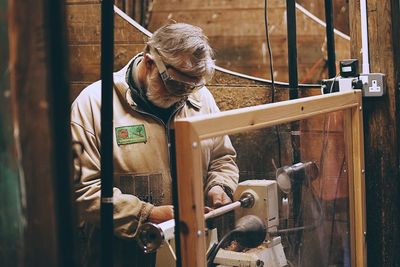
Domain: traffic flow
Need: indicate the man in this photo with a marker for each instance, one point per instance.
(161, 84)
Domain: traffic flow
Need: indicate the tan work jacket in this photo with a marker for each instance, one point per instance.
(141, 155)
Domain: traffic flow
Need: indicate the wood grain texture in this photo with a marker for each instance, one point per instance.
(340, 12)
(84, 26)
(190, 194)
(381, 135)
(85, 63)
(238, 22)
(29, 77)
(12, 220)
(282, 112)
(241, 48)
(236, 31)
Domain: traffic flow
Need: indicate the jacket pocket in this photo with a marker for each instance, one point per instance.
(148, 187)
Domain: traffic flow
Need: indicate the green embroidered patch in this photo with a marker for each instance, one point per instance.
(131, 134)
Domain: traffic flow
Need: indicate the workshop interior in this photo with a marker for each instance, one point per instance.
(309, 96)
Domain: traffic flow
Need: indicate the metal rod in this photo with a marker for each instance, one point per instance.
(222, 210)
(59, 108)
(143, 12)
(151, 236)
(292, 48)
(330, 38)
(175, 199)
(107, 168)
(293, 94)
(364, 36)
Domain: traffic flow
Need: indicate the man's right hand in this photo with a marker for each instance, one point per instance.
(161, 214)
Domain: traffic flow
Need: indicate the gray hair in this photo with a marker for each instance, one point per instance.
(184, 47)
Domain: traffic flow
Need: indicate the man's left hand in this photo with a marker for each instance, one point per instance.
(217, 197)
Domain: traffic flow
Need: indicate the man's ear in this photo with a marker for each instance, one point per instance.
(148, 61)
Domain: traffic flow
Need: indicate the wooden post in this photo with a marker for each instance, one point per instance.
(11, 203)
(353, 134)
(381, 125)
(190, 196)
(39, 95)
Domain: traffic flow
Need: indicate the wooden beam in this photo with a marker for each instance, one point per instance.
(381, 124)
(353, 134)
(39, 95)
(11, 204)
(190, 196)
(251, 118)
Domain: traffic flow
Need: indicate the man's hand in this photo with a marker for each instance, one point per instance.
(161, 214)
(217, 197)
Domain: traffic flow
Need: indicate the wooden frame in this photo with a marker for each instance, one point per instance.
(190, 131)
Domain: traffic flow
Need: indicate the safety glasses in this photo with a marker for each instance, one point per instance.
(173, 86)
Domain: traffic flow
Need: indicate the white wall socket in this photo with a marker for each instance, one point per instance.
(374, 84)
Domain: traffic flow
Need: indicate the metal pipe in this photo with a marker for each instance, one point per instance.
(107, 168)
(364, 36)
(59, 108)
(151, 236)
(175, 200)
(292, 48)
(222, 210)
(330, 39)
(293, 94)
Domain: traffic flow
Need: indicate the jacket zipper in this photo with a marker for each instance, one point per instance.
(166, 127)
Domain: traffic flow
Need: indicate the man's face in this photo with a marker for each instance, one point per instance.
(157, 93)
(165, 93)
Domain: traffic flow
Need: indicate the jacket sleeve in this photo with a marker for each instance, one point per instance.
(129, 211)
(222, 168)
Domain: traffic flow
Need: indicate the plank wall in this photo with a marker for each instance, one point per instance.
(83, 20)
(236, 31)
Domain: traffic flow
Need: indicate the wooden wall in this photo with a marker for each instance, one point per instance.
(340, 12)
(236, 30)
(381, 130)
(83, 21)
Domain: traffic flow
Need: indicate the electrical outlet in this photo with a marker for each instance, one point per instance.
(374, 84)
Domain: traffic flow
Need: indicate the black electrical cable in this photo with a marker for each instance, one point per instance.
(214, 251)
(250, 232)
(269, 50)
(271, 68)
(175, 200)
